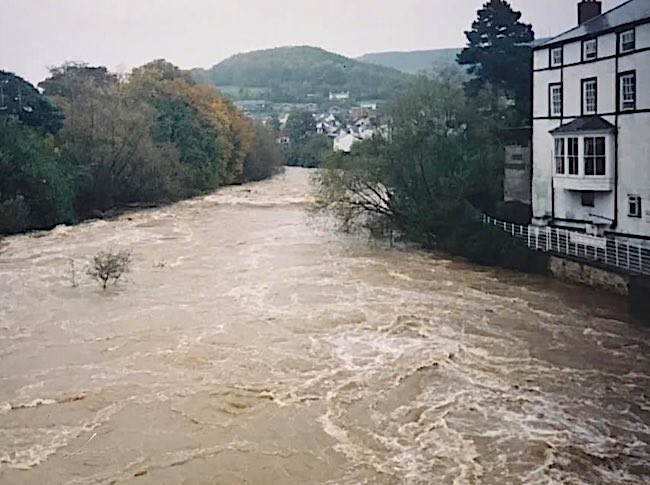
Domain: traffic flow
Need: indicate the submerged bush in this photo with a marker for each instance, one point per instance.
(107, 266)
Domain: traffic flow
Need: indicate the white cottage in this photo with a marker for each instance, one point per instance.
(344, 142)
(591, 123)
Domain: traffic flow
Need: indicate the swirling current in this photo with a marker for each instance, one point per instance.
(251, 344)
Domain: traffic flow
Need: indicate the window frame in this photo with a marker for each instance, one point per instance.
(620, 43)
(638, 202)
(559, 155)
(551, 113)
(572, 159)
(585, 43)
(594, 157)
(621, 100)
(551, 61)
(583, 84)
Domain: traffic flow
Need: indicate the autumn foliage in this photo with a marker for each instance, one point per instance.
(151, 136)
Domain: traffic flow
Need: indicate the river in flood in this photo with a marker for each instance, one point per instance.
(251, 344)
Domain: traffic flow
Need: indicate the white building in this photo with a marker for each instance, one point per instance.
(591, 123)
(371, 105)
(344, 142)
(343, 95)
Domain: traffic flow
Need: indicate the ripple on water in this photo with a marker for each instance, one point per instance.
(268, 349)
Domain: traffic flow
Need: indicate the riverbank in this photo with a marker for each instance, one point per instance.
(131, 208)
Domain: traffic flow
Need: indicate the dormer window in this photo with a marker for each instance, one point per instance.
(627, 41)
(590, 50)
(556, 57)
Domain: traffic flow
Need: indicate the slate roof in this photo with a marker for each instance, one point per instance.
(627, 13)
(584, 124)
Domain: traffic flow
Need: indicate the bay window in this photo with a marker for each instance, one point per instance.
(582, 156)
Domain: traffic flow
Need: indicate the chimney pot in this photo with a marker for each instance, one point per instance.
(588, 9)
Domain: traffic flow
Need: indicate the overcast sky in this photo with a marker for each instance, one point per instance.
(121, 34)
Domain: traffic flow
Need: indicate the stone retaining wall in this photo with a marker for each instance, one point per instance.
(635, 288)
(587, 274)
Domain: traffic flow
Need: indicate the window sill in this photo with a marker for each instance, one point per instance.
(596, 183)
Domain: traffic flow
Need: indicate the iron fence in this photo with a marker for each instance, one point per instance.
(610, 251)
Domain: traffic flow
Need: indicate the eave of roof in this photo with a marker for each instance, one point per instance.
(632, 12)
(584, 124)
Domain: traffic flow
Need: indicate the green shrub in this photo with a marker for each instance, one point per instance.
(36, 188)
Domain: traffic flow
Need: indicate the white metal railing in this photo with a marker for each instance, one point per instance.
(609, 251)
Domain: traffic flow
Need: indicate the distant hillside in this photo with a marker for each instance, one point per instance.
(414, 62)
(298, 74)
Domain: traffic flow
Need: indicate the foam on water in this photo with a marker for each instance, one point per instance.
(268, 349)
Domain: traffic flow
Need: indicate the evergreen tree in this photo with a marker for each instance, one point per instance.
(21, 101)
(499, 53)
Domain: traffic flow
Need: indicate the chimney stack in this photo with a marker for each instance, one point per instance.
(588, 9)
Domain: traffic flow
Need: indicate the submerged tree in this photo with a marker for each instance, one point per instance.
(108, 265)
(441, 161)
(499, 53)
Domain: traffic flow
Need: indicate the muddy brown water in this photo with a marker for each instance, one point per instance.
(251, 344)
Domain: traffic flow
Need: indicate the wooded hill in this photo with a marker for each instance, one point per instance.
(299, 74)
(414, 62)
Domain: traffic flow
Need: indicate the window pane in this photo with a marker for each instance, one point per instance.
(627, 41)
(600, 165)
(589, 95)
(628, 91)
(559, 155)
(590, 48)
(589, 146)
(556, 100)
(556, 56)
(634, 206)
(600, 146)
(572, 150)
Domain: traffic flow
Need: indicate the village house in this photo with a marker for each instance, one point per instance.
(340, 96)
(370, 105)
(591, 124)
(344, 142)
(282, 138)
